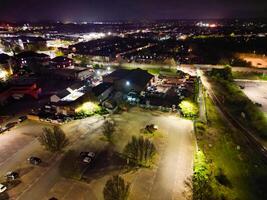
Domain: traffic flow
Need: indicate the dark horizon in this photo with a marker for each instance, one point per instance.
(132, 21)
(119, 10)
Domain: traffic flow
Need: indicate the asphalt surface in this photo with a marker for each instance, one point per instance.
(256, 91)
(176, 164)
(175, 149)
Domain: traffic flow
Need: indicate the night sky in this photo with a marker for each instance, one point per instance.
(97, 10)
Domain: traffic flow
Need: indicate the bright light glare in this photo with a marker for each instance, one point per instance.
(127, 83)
(88, 108)
(3, 74)
(93, 36)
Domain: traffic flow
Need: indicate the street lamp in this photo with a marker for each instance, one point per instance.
(127, 83)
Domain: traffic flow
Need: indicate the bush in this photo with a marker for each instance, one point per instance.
(188, 108)
(224, 74)
(116, 189)
(202, 189)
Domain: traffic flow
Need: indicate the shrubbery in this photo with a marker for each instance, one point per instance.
(237, 103)
(189, 108)
(202, 189)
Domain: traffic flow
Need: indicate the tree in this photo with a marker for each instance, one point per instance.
(116, 189)
(53, 139)
(224, 74)
(140, 151)
(108, 130)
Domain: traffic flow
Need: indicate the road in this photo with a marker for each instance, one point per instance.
(176, 164)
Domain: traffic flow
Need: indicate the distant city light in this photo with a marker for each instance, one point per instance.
(92, 36)
(201, 24)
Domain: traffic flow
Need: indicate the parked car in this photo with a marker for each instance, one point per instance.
(11, 124)
(258, 104)
(53, 198)
(87, 160)
(87, 154)
(3, 188)
(151, 128)
(34, 160)
(12, 175)
(22, 118)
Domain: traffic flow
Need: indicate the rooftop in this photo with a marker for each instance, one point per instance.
(99, 89)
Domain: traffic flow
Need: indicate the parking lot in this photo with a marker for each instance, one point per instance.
(257, 92)
(165, 180)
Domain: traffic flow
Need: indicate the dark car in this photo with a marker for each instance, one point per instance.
(22, 118)
(258, 104)
(151, 128)
(34, 160)
(12, 175)
(11, 124)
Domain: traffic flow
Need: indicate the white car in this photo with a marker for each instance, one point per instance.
(87, 160)
(3, 188)
(87, 154)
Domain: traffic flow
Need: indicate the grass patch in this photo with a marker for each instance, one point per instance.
(237, 172)
(238, 104)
